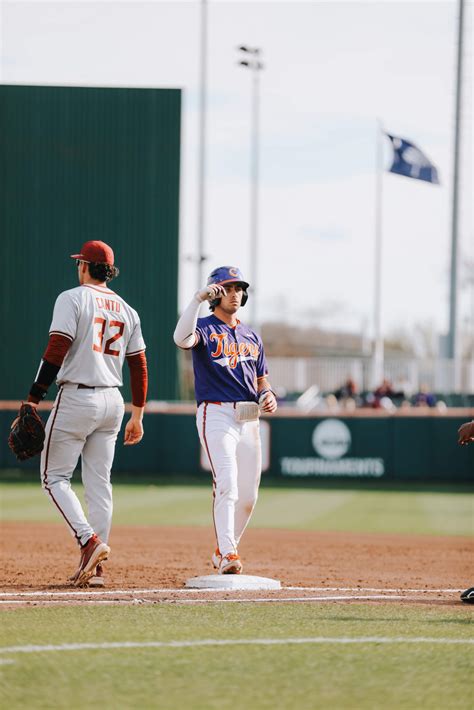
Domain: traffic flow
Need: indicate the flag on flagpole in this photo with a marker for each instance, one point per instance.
(410, 161)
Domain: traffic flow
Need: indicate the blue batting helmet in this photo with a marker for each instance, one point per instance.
(226, 275)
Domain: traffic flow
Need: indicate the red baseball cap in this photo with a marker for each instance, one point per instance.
(97, 252)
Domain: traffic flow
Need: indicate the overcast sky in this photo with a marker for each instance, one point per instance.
(331, 69)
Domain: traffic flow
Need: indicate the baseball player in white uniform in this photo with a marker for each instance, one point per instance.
(231, 384)
(93, 331)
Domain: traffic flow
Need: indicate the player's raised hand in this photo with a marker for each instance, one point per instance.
(209, 293)
(133, 431)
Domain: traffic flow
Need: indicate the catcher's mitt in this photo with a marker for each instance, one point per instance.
(27, 433)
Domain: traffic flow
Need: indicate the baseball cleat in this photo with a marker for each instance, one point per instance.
(468, 596)
(216, 558)
(97, 579)
(93, 552)
(230, 564)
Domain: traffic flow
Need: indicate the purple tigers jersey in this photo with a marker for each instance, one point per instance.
(227, 362)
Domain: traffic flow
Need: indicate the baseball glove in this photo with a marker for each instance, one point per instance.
(27, 433)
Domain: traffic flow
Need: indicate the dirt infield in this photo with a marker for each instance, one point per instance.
(40, 557)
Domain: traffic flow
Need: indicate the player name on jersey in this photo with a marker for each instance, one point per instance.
(108, 304)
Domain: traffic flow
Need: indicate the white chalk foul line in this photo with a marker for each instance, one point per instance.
(163, 590)
(253, 600)
(280, 600)
(96, 602)
(233, 642)
(373, 589)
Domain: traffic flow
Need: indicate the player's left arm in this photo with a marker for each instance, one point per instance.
(137, 365)
(266, 396)
(134, 427)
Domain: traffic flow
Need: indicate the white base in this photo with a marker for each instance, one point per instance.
(232, 581)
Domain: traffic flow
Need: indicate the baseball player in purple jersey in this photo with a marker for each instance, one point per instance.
(232, 388)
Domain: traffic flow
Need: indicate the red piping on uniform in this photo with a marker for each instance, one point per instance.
(104, 289)
(59, 332)
(46, 470)
(204, 415)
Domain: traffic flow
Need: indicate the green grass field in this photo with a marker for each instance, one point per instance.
(310, 509)
(326, 674)
(343, 667)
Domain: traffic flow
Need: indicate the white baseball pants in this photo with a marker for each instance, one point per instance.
(234, 451)
(83, 422)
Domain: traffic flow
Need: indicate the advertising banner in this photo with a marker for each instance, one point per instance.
(330, 447)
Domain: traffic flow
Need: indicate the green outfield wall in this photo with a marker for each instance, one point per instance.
(302, 449)
(82, 163)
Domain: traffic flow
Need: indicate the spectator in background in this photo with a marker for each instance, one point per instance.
(383, 396)
(347, 395)
(424, 398)
(348, 389)
(385, 389)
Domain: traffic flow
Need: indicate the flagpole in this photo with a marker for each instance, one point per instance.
(453, 338)
(378, 346)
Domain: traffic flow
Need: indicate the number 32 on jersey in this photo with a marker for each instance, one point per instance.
(100, 326)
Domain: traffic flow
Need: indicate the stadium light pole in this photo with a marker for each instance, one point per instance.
(201, 258)
(253, 63)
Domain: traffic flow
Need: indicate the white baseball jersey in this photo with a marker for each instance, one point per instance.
(103, 329)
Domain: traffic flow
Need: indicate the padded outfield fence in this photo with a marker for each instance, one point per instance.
(414, 446)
